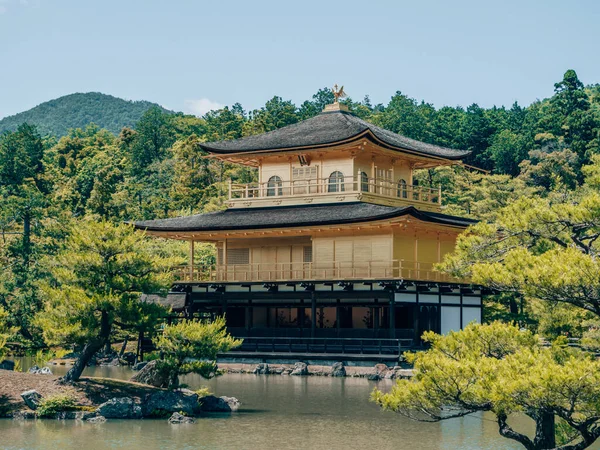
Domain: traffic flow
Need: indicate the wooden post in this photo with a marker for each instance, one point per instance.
(230, 188)
(313, 313)
(440, 194)
(392, 315)
(337, 316)
(192, 260)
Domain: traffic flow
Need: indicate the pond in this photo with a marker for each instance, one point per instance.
(278, 412)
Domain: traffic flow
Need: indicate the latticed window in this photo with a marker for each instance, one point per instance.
(274, 186)
(307, 254)
(238, 256)
(336, 182)
(302, 177)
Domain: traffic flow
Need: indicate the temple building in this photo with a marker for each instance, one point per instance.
(334, 247)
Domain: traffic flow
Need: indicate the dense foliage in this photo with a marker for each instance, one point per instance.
(192, 347)
(56, 117)
(155, 168)
(502, 369)
(94, 287)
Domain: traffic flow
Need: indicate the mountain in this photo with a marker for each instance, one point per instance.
(57, 116)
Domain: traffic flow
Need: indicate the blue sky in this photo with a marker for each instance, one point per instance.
(191, 55)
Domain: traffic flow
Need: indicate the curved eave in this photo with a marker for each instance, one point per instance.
(356, 137)
(436, 218)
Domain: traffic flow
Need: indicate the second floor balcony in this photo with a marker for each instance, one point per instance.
(334, 188)
(315, 271)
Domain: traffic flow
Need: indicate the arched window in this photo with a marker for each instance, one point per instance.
(336, 182)
(274, 186)
(364, 182)
(402, 191)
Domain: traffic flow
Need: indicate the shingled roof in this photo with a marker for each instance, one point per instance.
(295, 216)
(326, 129)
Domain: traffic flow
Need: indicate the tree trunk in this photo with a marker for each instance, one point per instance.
(89, 350)
(123, 347)
(544, 431)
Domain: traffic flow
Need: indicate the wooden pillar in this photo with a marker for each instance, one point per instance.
(248, 320)
(313, 313)
(337, 317)
(392, 315)
(191, 262)
(375, 319)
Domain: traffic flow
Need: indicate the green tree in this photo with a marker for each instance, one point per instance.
(5, 331)
(506, 371)
(155, 134)
(192, 347)
(96, 287)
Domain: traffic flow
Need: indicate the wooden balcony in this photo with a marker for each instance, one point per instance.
(280, 272)
(328, 190)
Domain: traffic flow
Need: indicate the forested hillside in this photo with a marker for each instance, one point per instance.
(56, 117)
(155, 168)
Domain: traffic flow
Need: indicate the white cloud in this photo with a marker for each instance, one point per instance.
(200, 106)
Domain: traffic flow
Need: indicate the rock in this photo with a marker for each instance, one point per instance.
(300, 368)
(97, 419)
(155, 373)
(7, 365)
(234, 403)
(75, 415)
(128, 358)
(161, 402)
(404, 373)
(115, 362)
(139, 366)
(338, 370)
(180, 418)
(210, 403)
(373, 377)
(40, 371)
(23, 415)
(120, 408)
(286, 372)
(32, 398)
(389, 375)
(262, 369)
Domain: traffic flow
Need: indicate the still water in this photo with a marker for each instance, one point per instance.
(278, 412)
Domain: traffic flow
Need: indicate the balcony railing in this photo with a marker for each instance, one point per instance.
(357, 270)
(339, 185)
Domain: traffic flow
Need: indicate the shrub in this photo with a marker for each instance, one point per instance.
(203, 392)
(56, 403)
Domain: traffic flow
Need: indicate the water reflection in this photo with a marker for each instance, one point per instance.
(278, 412)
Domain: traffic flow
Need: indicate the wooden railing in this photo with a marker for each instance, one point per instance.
(335, 270)
(328, 186)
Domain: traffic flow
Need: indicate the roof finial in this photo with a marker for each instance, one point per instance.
(338, 93)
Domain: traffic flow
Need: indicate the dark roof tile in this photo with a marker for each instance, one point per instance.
(294, 216)
(325, 129)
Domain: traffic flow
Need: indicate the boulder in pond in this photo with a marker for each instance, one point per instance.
(156, 373)
(97, 419)
(338, 370)
(177, 418)
(120, 408)
(300, 368)
(373, 377)
(262, 369)
(7, 365)
(160, 403)
(32, 398)
(210, 403)
(139, 366)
